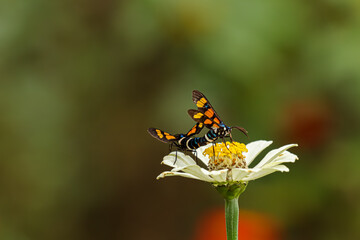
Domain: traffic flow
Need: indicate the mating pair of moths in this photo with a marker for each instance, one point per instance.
(204, 116)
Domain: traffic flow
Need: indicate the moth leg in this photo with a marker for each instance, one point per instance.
(170, 147)
(196, 159)
(231, 139)
(213, 146)
(175, 157)
(223, 139)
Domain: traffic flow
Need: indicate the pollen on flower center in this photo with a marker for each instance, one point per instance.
(226, 155)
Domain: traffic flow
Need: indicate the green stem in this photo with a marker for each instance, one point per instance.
(231, 193)
(232, 218)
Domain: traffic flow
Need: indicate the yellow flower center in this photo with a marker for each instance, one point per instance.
(226, 155)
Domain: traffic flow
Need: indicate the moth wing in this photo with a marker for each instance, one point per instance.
(201, 117)
(204, 104)
(162, 136)
(195, 129)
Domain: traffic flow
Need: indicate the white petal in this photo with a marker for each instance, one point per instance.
(265, 171)
(181, 174)
(196, 171)
(254, 148)
(178, 159)
(239, 173)
(219, 175)
(286, 157)
(199, 154)
(282, 158)
(272, 155)
(281, 168)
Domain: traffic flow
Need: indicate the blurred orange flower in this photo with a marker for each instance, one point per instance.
(252, 226)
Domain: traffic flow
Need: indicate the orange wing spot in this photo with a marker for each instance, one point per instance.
(201, 102)
(160, 135)
(166, 134)
(209, 113)
(193, 130)
(198, 115)
(168, 137)
(217, 120)
(208, 121)
(215, 125)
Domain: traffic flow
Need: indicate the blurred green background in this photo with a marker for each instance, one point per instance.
(81, 81)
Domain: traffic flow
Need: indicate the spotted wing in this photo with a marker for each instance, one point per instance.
(162, 136)
(195, 129)
(204, 105)
(208, 118)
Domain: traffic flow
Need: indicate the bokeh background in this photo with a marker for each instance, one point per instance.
(82, 80)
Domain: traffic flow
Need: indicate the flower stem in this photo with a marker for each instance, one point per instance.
(232, 218)
(231, 193)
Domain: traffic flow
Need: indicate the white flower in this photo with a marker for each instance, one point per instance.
(185, 166)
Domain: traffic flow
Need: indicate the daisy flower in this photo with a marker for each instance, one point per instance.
(226, 167)
(225, 164)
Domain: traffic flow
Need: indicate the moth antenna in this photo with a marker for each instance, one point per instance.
(243, 130)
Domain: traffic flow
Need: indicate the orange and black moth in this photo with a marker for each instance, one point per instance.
(204, 116)
(185, 141)
(207, 115)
